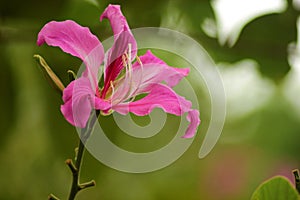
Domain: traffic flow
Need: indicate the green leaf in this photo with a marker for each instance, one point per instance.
(277, 188)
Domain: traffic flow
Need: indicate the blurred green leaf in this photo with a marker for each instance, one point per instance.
(277, 188)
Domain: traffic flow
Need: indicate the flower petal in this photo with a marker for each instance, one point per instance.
(193, 118)
(79, 100)
(162, 96)
(160, 70)
(143, 77)
(116, 18)
(123, 37)
(75, 40)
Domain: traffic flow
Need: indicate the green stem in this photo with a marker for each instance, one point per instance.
(75, 171)
(76, 186)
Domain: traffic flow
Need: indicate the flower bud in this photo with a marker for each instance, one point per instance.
(51, 77)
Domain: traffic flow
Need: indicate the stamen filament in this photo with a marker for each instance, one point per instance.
(129, 52)
(112, 88)
(140, 80)
(124, 61)
(129, 70)
(139, 61)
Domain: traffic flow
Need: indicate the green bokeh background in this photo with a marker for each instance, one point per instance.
(36, 140)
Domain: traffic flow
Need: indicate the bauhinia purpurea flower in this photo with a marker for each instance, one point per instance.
(125, 74)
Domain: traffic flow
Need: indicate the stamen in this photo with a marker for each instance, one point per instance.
(128, 56)
(124, 61)
(129, 71)
(113, 89)
(129, 63)
(129, 52)
(134, 93)
(139, 61)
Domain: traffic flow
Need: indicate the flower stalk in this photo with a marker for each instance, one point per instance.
(75, 168)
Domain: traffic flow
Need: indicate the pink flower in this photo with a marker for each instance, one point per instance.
(123, 81)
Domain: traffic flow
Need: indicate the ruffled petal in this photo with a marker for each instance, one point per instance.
(116, 18)
(194, 118)
(75, 40)
(122, 38)
(162, 96)
(79, 100)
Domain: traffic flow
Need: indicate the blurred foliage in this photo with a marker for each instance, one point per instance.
(36, 140)
(277, 188)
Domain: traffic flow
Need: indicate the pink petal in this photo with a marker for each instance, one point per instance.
(123, 37)
(152, 71)
(116, 18)
(161, 96)
(79, 100)
(193, 118)
(171, 75)
(75, 40)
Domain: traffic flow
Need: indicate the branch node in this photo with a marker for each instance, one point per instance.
(71, 165)
(86, 185)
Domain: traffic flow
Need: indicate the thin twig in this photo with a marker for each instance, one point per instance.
(52, 197)
(75, 168)
(75, 171)
(297, 179)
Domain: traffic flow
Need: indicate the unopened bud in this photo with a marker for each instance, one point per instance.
(51, 77)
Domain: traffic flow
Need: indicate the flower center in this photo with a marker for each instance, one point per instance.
(108, 90)
(125, 87)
